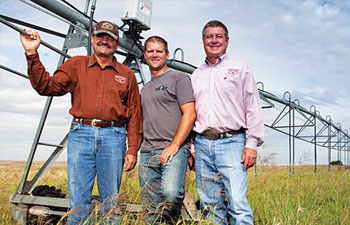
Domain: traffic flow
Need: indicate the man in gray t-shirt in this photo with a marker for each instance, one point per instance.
(168, 114)
(161, 101)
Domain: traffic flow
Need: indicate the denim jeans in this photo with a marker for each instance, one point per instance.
(219, 173)
(94, 152)
(162, 186)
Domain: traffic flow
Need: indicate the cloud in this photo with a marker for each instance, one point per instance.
(3, 59)
(297, 46)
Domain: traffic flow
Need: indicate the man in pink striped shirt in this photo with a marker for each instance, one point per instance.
(229, 129)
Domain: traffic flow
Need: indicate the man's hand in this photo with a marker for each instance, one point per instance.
(31, 42)
(168, 153)
(248, 158)
(129, 162)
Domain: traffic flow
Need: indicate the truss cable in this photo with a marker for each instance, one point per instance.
(42, 42)
(52, 14)
(13, 71)
(33, 26)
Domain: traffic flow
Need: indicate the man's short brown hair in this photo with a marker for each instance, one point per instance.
(157, 39)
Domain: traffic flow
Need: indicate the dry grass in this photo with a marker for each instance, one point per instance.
(275, 197)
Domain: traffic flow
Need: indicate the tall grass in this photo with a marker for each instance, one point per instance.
(275, 197)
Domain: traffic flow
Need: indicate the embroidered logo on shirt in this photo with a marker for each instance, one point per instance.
(232, 72)
(120, 79)
(162, 87)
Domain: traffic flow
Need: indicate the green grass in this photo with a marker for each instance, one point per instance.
(275, 197)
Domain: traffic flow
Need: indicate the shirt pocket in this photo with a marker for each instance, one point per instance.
(117, 92)
(230, 83)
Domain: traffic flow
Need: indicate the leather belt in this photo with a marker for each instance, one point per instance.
(98, 123)
(213, 135)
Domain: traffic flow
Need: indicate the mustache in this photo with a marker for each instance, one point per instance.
(103, 44)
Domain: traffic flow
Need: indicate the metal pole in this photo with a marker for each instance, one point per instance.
(315, 145)
(344, 152)
(22, 185)
(289, 133)
(338, 153)
(293, 139)
(289, 140)
(313, 109)
(329, 143)
(348, 149)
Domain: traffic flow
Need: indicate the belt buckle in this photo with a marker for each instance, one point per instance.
(93, 123)
(212, 135)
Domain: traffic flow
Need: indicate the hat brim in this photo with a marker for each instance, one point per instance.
(106, 32)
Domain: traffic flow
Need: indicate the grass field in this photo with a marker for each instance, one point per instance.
(275, 197)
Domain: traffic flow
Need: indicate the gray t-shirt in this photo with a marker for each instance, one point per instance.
(161, 99)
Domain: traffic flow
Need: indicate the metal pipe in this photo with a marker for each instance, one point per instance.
(64, 11)
(92, 12)
(182, 66)
(182, 54)
(74, 17)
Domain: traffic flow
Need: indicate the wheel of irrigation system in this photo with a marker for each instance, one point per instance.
(39, 215)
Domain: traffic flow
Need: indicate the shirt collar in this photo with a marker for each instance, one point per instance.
(93, 61)
(218, 60)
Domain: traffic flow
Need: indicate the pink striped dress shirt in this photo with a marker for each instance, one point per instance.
(227, 99)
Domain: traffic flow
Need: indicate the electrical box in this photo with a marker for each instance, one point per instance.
(139, 11)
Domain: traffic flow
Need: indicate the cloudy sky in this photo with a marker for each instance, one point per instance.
(300, 46)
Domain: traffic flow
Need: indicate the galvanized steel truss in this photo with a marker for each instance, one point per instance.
(315, 129)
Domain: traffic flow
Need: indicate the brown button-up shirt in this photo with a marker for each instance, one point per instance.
(110, 93)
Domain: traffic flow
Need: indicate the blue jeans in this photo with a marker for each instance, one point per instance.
(162, 186)
(94, 152)
(219, 173)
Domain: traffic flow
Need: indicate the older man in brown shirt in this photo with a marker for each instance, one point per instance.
(105, 109)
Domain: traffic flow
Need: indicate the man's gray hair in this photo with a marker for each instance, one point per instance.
(215, 23)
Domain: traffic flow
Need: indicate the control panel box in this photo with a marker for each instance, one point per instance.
(139, 11)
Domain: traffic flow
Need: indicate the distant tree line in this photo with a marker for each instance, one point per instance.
(337, 162)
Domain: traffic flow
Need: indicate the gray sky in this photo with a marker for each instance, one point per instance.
(300, 46)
